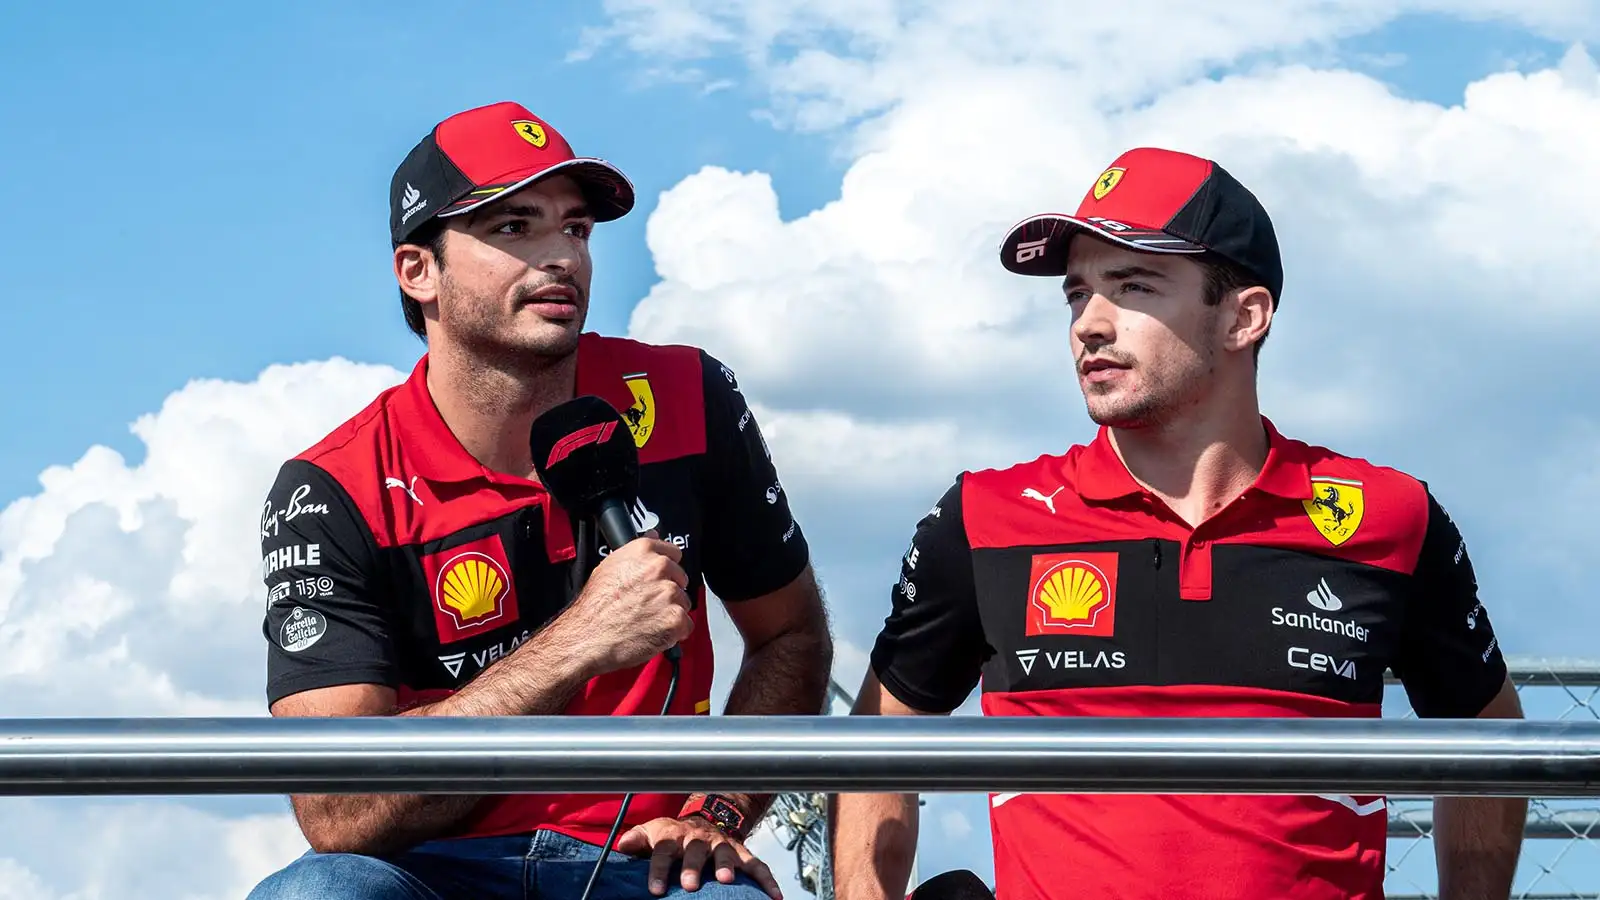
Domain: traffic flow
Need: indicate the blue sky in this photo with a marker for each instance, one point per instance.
(199, 192)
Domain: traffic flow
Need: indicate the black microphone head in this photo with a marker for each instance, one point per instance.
(584, 454)
(958, 884)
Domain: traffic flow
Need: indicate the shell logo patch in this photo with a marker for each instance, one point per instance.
(1073, 594)
(473, 591)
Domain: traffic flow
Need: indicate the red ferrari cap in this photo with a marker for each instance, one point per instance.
(478, 155)
(1156, 201)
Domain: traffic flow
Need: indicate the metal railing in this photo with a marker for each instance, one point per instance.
(1553, 754)
(1559, 835)
(590, 754)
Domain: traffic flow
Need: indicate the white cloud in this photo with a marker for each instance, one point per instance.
(956, 826)
(91, 850)
(889, 349)
(146, 577)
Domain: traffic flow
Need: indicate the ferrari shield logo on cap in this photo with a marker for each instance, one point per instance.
(1107, 182)
(641, 416)
(530, 131)
(1335, 508)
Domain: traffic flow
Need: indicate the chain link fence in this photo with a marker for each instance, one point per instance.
(1559, 860)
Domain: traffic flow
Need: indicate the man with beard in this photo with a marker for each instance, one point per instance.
(1189, 561)
(415, 565)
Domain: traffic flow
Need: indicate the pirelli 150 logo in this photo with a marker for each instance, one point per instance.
(1073, 594)
(472, 589)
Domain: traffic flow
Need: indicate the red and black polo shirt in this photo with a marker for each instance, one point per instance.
(392, 557)
(1069, 590)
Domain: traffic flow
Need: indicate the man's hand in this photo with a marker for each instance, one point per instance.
(633, 607)
(694, 840)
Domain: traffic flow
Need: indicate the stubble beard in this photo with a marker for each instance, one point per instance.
(479, 327)
(1164, 393)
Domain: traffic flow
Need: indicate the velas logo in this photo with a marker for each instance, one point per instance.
(1072, 594)
(641, 416)
(1107, 182)
(1336, 507)
(472, 589)
(530, 131)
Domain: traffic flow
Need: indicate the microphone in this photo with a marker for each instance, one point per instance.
(585, 456)
(958, 884)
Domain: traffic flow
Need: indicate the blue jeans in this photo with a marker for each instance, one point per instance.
(547, 866)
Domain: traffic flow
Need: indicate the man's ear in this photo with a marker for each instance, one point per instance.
(417, 271)
(1252, 316)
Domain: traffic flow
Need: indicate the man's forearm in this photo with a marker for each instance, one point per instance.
(1476, 842)
(538, 679)
(788, 676)
(872, 839)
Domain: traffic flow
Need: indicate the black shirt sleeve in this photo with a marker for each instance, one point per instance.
(1449, 658)
(323, 625)
(753, 545)
(931, 650)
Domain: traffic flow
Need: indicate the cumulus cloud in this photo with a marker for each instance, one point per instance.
(894, 351)
(139, 850)
(146, 577)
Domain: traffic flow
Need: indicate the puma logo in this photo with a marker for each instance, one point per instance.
(1050, 501)
(411, 489)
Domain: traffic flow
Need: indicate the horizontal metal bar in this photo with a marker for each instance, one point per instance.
(820, 753)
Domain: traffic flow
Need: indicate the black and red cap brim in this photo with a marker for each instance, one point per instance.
(609, 193)
(1038, 245)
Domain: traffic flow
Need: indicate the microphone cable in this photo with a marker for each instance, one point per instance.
(673, 654)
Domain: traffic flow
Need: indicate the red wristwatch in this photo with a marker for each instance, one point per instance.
(718, 810)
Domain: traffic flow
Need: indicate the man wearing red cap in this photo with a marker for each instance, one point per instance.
(1189, 561)
(415, 565)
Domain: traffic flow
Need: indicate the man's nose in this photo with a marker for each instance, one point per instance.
(1096, 322)
(559, 263)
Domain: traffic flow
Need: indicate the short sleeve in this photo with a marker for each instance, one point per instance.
(753, 545)
(1449, 658)
(931, 650)
(323, 625)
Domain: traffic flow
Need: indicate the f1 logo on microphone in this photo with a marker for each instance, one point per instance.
(592, 434)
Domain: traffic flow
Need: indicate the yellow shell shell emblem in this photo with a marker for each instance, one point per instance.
(641, 416)
(1336, 507)
(1107, 182)
(530, 131)
(1073, 593)
(473, 586)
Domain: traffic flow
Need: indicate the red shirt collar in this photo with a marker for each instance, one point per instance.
(431, 448)
(1102, 476)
